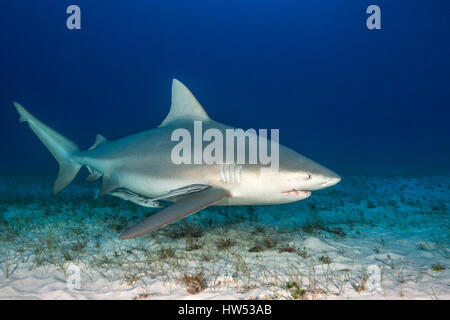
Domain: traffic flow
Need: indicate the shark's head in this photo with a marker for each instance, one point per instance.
(303, 173)
(297, 176)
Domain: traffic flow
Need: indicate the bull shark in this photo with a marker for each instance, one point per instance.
(138, 168)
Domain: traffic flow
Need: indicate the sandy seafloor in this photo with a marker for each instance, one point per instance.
(366, 238)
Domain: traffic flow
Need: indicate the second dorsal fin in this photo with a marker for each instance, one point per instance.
(99, 140)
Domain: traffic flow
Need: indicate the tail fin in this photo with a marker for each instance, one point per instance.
(60, 147)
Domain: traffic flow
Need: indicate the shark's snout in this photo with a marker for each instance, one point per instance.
(331, 181)
(328, 178)
(324, 179)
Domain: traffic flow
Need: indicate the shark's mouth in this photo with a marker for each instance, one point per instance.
(305, 193)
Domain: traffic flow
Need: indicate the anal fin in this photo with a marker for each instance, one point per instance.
(93, 175)
(109, 183)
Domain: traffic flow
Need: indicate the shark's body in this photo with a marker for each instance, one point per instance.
(139, 168)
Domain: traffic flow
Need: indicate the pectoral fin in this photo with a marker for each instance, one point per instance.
(187, 205)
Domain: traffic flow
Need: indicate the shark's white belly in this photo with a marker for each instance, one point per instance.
(244, 189)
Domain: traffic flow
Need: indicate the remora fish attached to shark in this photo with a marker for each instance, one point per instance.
(139, 168)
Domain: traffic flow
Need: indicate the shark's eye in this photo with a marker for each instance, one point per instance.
(305, 176)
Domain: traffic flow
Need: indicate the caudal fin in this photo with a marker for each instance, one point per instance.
(60, 147)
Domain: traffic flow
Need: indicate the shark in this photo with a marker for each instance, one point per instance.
(139, 168)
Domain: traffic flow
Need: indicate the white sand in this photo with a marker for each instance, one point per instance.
(367, 238)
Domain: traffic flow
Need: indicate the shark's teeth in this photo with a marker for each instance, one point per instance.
(305, 193)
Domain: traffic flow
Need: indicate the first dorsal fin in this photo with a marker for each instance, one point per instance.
(99, 139)
(184, 105)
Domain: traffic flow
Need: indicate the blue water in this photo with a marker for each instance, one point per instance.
(359, 101)
(372, 105)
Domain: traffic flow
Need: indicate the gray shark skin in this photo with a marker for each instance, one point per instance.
(139, 168)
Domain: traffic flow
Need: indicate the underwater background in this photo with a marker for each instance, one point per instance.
(358, 101)
(372, 105)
